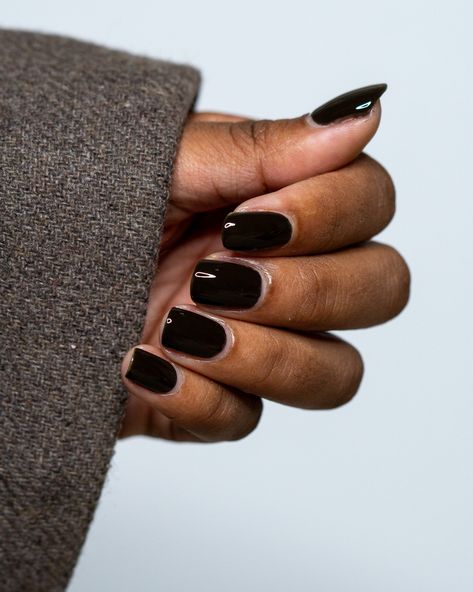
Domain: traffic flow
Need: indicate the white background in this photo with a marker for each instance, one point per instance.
(376, 496)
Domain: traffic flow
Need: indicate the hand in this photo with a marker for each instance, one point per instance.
(321, 279)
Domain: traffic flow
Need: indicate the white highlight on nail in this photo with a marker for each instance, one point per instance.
(363, 106)
(266, 281)
(348, 120)
(203, 274)
(229, 224)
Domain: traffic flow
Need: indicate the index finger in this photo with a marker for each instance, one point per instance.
(317, 215)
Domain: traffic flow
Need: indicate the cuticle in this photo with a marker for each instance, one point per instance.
(311, 123)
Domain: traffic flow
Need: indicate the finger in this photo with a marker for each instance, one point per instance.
(304, 371)
(190, 406)
(221, 163)
(317, 215)
(349, 289)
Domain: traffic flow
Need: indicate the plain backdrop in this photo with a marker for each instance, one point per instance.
(375, 496)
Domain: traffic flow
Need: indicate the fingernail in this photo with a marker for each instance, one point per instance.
(229, 285)
(193, 334)
(246, 231)
(151, 372)
(351, 104)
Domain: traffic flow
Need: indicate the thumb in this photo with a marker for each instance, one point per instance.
(224, 160)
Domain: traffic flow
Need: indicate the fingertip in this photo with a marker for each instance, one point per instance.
(370, 118)
(335, 145)
(353, 104)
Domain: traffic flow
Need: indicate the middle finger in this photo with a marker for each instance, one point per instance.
(349, 289)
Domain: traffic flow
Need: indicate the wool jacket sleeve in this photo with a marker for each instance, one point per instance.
(88, 136)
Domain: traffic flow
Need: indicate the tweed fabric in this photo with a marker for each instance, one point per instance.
(88, 138)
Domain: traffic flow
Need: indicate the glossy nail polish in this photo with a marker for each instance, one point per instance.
(355, 103)
(247, 231)
(225, 284)
(151, 372)
(193, 334)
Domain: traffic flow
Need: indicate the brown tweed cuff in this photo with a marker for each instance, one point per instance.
(88, 138)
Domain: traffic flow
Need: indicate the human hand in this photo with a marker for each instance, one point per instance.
(267, 340)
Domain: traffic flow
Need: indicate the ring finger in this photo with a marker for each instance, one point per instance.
(313, 372)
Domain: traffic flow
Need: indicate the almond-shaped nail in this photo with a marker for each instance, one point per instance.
(355, 103)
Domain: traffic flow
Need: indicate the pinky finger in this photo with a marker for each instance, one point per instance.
(184, 404)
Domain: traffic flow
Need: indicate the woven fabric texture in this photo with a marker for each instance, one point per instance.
(88, 140)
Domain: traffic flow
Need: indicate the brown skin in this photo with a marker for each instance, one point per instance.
(328, 277)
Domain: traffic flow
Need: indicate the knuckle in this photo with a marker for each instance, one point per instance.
(251, 140)
(214, 408)
(270, 362)
(385, 190)
(247, 136)
(352, 377)
(373, 175)
(322, 296)
(334, 213)
(336, 385)
(399, 280)
(245, 423)
(224, 416)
